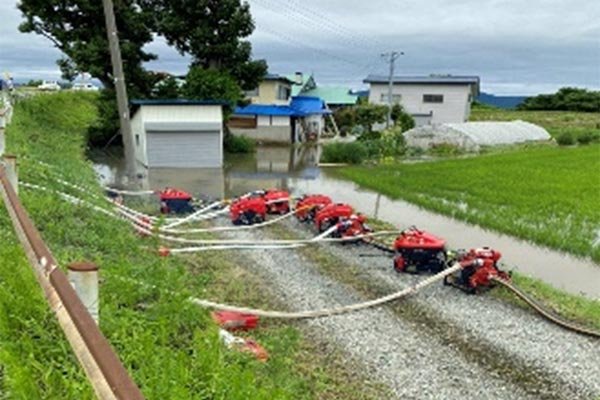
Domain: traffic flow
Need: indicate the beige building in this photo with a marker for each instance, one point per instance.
(434, 99)
(274, 89)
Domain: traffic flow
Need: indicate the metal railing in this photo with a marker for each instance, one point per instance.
(106, 373)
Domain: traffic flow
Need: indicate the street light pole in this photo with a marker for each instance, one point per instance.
(119, 81)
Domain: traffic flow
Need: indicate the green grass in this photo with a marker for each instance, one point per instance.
(555, 122)
(169, 346)
(548, 195)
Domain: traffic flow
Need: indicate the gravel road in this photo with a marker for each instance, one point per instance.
(441, 344)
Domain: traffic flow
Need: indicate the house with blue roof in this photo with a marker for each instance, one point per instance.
(300, 121)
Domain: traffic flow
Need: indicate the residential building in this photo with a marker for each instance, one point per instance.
(302, 120)
(434, 99)
(178, 133)
(274, 89)
(334, 96)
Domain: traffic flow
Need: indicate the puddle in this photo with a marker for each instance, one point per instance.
(295, 169)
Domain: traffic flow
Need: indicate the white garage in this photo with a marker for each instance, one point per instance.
(178, 133)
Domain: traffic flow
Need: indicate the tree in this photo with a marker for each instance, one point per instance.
(212, 84)
(211, 32)
(401, 118)
(566, 99)
(77, 28)
(369, 114)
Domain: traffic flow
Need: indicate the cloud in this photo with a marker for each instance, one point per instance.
(517, 47)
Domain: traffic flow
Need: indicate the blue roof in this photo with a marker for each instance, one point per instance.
(263, 109)
(301, 106)
(309, 105)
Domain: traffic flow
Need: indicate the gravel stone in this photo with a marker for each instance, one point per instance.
(399, 353)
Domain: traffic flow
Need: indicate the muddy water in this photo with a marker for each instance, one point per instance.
(295, 169)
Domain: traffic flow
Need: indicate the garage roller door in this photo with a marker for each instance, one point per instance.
(184, 149)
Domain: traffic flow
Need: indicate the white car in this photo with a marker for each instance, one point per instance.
(87, 87)
(49, 85)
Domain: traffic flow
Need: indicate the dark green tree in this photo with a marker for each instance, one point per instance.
(401, 118)
(212, 33)
(211, 83)
(77, 28)
(566, 99)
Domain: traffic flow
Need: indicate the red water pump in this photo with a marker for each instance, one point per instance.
(353, 226)
(309, 205)
(478, 267)
(248, 210)
(331, 214)
(175, 201)
(419, 251)
(278, 201)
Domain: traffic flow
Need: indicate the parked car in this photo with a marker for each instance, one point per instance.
(49, 86)
(87, 87)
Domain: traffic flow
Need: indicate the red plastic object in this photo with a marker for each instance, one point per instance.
(251, 346)
(415, 239)
(331, 215)
(174, 194)
(164, 251)
(277, 201)
(234, 321)
(248, 211)
(308, 206)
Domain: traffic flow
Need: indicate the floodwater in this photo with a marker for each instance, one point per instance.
(296, 170)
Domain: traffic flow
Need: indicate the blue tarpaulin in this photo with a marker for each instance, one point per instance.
(301, 106)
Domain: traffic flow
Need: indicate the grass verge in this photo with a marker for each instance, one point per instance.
(547, 195)
(170, 346)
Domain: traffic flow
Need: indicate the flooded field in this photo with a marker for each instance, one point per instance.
(296, 170)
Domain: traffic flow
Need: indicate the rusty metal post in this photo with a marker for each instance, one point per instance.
(12, 172)
(83, 276)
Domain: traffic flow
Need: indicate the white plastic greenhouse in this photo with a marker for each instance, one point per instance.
(471, 136)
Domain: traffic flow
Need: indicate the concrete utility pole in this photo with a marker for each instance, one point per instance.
(119, 80)
(391, 59)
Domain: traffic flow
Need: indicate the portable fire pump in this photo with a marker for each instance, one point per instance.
(353, 226)
(175, 201)
(309, 205)
(277, 201)
(248, 210)
(419, 251)
(478, 267)
(331, 214)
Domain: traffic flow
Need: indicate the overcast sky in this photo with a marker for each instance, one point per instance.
(515, 46)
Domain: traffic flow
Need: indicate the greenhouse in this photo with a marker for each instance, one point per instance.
(471, 136)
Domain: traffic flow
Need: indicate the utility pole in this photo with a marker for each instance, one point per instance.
(119, 80)
(391, 59)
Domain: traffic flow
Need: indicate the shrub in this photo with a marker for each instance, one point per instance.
(238, 144)
(351, 153)
(445, 149)
(565, 139)
(585, 138)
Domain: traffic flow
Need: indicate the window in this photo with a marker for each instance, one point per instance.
(433, 98)
(395, 98)
(137, 140)
(283, 92)
(252, 93)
